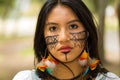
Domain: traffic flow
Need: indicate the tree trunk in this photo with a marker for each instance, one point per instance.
(102, 6)
(118, 14)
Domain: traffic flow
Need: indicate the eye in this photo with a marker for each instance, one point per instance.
(53, 28)
(73, 26)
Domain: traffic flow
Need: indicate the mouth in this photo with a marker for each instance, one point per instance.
(65, 49)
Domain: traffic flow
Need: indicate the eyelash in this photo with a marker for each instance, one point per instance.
(73, 26)
(52, 28)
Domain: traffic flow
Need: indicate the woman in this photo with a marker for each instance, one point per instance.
(66, 44)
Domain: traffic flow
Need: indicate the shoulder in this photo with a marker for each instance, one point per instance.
(107, 76)
(26, 75)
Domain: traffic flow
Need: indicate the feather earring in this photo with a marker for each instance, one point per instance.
(47, 64)
(83, 60)
(93, 63)
(51, 64)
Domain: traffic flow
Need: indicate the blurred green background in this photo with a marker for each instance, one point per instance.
(17, 26)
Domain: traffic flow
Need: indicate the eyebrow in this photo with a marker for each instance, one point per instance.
(76, 20)
(53, 23)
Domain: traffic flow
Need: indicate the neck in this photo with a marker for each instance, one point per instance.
(71, 70)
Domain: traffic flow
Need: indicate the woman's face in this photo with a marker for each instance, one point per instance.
(64, 34)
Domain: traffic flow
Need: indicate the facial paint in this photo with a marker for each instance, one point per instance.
(79, 38)
(51, 41)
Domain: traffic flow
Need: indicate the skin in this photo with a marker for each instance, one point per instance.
(64, 29)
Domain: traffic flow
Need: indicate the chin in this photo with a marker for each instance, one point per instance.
(64, 60)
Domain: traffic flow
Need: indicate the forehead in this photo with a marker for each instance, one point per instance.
(61, 11)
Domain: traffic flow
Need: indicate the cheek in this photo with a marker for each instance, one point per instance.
(51, 41)
(52, 51)
(79, 38)
(80, 44)
(52, 47)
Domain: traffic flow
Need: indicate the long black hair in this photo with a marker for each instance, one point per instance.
(84, 15)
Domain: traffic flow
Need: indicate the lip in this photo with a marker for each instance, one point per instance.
(65, 49)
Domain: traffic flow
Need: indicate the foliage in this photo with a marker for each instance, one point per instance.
(89, 4)
(111, 2)
(39, 1)
(5, 7)
(93, 5)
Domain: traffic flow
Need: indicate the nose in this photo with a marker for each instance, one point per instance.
(64, 36)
